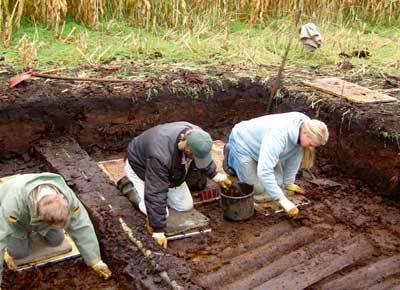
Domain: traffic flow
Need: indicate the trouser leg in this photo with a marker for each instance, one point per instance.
(180, 198)
(138, 184)
(19, 248)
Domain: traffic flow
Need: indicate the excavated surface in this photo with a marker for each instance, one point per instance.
(348, 238)
(344, 229)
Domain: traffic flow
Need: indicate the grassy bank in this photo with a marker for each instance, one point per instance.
(37, 47)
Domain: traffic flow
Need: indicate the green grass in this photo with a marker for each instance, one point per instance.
(202, 45)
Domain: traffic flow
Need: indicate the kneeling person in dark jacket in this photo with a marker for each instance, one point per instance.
(158, 161)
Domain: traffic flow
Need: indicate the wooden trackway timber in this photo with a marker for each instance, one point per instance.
(349, 91)
(106, 207)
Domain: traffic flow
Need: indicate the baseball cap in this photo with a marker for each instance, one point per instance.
(200, 143)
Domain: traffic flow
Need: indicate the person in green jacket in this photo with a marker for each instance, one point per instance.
(43, 203)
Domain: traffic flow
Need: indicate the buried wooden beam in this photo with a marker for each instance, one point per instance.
(264, 237)
(255, 258)
(366, 276)
(272, 269)
(320, 266)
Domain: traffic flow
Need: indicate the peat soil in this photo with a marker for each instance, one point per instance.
(347, 230)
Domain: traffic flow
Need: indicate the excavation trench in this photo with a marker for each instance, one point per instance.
(345, 230)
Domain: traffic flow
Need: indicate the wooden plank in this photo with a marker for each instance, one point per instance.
(349, 91)
(114, 169)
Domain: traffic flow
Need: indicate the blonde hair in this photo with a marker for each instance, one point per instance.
(308, 158)
(318, 132)
(54, 210)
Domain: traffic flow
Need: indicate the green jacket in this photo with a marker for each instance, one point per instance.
(19, 214)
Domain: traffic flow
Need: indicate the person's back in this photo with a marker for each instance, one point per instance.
(158, 142)
(249, 134)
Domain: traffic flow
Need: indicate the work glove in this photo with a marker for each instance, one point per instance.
(10, 262)
(223, 180)
(295, 188)
(289, 207)
(161, 239)
(102, 269)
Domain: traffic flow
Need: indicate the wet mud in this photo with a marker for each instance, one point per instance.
(347, 238)
(238, 189)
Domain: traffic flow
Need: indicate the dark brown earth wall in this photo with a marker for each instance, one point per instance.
(361, 140)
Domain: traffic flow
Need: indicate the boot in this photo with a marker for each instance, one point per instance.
(289, 207)
(230, 171)
(127, 189)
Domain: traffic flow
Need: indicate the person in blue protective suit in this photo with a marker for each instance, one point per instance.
(267, 152)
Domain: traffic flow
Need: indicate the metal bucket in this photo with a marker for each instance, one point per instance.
(238, 208)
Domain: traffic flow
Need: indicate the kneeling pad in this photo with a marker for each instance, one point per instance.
(44, 255)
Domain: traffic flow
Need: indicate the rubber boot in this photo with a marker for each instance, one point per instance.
(127, 189)
(289, 207)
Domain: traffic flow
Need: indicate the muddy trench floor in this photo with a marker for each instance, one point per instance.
(350, 214)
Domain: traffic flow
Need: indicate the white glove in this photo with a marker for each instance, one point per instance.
(220, 177)
(289, 207)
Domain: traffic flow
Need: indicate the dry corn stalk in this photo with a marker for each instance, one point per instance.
(27, 52)
(88, 11)
(55, 13)
(225, 46)
(187, 13)
(8, 26)
(82, 41)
